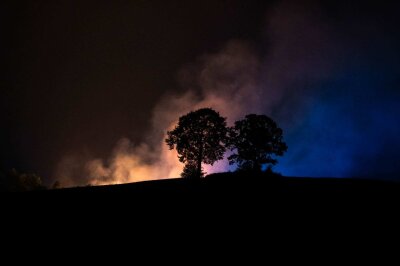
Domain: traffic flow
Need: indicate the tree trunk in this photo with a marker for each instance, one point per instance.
(199, 160)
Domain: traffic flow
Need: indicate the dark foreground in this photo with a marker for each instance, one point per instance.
(263, 198)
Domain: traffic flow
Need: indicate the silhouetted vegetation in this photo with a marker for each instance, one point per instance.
(199, 137)
(202, 137)
(56, 185)
(13, 181)
(191, 170)
(254, 140)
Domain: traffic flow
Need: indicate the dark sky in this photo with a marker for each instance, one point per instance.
(79, 75)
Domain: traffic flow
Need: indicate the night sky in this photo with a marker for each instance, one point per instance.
(85, 81)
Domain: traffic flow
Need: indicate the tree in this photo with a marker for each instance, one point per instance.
(190, 170)
(199, 137)
(14, 181)
(56, 185)
(254, 140)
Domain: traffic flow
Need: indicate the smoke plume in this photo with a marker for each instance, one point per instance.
(322, 85)
(226, 81)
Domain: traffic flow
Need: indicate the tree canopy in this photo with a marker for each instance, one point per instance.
(254, 140)
(199, 137)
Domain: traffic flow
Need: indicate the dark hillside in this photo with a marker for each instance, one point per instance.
(244, 186)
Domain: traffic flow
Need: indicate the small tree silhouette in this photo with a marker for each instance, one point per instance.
(199, 137)
(56, 185)
(190, 170)
(13, 181)
(255, 139)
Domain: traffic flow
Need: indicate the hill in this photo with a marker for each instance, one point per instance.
(261, 198)
(242, 186)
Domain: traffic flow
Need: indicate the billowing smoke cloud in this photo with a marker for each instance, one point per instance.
(313, 77)
(226, 81)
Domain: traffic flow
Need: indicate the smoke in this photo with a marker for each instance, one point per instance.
(339, 104)
(226, 81)
(317, 81)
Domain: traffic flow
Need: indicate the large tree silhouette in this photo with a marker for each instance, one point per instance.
(199, 137)
(254, 140)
